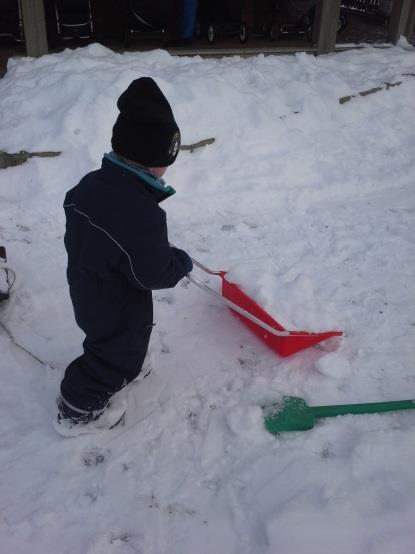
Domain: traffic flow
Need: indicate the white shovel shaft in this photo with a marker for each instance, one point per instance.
(204, 268)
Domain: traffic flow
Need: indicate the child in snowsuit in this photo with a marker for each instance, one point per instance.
(118, 252)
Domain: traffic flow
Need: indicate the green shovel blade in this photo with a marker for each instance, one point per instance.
(293, 413)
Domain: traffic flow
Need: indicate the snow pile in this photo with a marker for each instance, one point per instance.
(310, 205)
(292, 301)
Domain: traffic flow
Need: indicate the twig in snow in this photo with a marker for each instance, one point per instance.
(195, 145)
(386, 86)
(18, 158)
(13, 340)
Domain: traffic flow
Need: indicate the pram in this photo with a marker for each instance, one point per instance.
(295, 19)
(11, 22)
(145, 18)
(7, 276)
(222, 18)
(367, 7)
(73, 19)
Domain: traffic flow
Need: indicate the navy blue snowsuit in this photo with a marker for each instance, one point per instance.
(118, 252)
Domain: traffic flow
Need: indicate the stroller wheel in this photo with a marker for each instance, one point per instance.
(275, 32)
(198, 29)
(243, 33)
(342, 22)
(266, 29)
(211, 34)
(127, 39)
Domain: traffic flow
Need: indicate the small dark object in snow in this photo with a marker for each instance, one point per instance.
(166, 299)
(195, 145)
(386, 86)
(18, 158)
(121, 538)
(93, 457)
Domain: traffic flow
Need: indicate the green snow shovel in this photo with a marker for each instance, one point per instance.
(293, 414)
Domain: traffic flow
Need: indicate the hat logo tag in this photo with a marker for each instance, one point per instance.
(175, 145)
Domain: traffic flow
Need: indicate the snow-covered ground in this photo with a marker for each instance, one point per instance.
(310, 203)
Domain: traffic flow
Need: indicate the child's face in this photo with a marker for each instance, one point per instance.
(158, 171)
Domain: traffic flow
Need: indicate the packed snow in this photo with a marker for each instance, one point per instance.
(310, 205)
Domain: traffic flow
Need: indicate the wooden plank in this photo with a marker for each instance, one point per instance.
(243, 51)
(325, 25)
(401, 20)
(34, 25)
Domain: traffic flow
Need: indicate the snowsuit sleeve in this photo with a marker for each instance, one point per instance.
(149, 262)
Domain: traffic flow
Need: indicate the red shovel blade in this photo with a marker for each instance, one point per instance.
(283, 345)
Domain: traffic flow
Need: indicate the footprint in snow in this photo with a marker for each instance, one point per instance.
(94, 456)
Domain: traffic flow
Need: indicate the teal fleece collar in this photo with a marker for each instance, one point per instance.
(158, 184)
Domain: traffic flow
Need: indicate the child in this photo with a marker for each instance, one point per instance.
(118, 252)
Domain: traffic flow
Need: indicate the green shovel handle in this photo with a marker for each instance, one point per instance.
(369, 408)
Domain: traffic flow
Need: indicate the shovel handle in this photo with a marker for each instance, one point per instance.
(206, 269)
(368, 408)
(203, 267)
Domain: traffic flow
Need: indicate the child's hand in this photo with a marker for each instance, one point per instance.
(184, 259)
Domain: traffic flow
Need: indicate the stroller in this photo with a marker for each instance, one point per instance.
(73, 19)
(295, 19)
(7, 276)
(226, 18)
(145, 19)
(11, 22)
(292, 19)
(366, 7)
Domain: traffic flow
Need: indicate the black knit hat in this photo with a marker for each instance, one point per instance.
(145, 131)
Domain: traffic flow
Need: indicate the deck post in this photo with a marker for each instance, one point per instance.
(402, 20)
(34, 25)
(325, 25)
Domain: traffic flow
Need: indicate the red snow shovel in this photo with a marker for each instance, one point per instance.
(283, 342)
